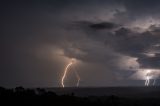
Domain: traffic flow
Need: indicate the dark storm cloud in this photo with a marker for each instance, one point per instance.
(97, 25)
(38, 36)
(137, 44)
(102, 25)
(134, 43)
(121, 39)
(150, 62)
(128, 42)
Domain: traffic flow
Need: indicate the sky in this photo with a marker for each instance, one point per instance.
(114, 42)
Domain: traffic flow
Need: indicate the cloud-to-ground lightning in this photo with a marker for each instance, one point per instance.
(151, 74)
(78, 78)
(65, 72)
(147, 81)
(147, 78)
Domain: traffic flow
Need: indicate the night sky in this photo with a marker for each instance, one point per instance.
(114, 42)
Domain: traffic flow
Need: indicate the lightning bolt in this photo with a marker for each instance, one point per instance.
(78, 78)
(65, 72)
(147, 78)
(147, 81)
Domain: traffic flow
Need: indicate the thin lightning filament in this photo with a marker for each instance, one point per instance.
(65, 72)
(78, 78)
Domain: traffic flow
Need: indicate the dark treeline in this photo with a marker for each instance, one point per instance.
(40, 97)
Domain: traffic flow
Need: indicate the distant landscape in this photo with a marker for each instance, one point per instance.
(111, 96)
(149, 92)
